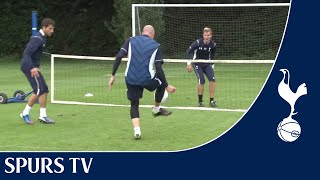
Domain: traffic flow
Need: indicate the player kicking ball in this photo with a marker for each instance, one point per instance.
(143, 54)
(30, 67)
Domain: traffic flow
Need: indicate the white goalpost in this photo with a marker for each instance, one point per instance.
(248, 38)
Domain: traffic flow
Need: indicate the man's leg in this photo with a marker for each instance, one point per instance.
(43, 104)
(32, 100)
(212, 84)
(134, 93)
(135, 117)
(212, 87)
(157, 111)
(34, 82)
(200, 74)
(157, 85)
(200, 92)
(43, 101)
(158, 94)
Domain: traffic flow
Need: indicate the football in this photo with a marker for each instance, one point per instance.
(164, 98)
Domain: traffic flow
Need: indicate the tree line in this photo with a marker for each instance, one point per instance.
(83, 27)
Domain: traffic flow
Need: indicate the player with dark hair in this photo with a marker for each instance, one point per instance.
(143, 54)
(203, 49)
(30, 67)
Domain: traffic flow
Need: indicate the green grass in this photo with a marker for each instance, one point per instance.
(97, 128)
(80, 128)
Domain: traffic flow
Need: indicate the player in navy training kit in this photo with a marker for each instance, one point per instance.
(143, 54)
(203, 49)
(30, 67)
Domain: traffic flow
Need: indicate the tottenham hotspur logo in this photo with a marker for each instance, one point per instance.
(289, 129)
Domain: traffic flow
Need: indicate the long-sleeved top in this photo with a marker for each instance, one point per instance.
(33, 51)
(201, 50)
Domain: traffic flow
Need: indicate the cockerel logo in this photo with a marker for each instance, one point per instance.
(289, 129)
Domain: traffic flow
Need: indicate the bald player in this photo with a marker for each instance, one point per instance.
(143, 55)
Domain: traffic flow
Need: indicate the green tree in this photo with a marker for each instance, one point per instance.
(121, 21)
(15, 25)
(81, 27)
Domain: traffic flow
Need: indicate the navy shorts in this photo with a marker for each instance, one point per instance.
(38, 84)
(204, 69)
(135, 92)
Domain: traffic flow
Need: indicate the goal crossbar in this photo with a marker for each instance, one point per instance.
(166, 60)
(213, 5)
(133, 7)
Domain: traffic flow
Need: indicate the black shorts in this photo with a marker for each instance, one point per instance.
(135, 92)
(204, 69)
(38, 84)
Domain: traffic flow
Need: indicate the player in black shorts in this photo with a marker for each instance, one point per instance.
(203, 49)
(30, 67)
(143, 55)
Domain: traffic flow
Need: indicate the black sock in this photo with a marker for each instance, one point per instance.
(134, 109)
(200, 98)
(159, 94)
(211, 99)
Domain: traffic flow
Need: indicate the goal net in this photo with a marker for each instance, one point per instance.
(247, 37)
(241, 31)
(84, 80)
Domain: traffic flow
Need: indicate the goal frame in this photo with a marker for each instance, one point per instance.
(133, 8)
(52, 91)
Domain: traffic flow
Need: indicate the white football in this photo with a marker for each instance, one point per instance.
(164, 98)
(289, 130)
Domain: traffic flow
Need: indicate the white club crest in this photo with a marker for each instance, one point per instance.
(289, 129)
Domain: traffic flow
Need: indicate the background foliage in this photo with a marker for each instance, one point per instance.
(83, 27)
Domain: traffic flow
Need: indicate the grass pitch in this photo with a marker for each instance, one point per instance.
(97, 128)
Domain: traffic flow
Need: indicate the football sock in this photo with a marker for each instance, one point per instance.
(211, 99)
(137, 129)
(200, 98)
(156, 109)
(26, 110)
(43, 112)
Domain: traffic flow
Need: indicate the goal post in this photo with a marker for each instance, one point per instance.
(248, 37)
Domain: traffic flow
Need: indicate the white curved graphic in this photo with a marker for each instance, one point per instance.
(289, 129)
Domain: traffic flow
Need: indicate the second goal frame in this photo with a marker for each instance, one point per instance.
(133, 8)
